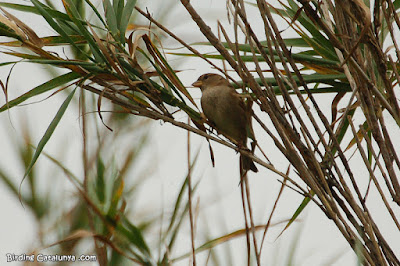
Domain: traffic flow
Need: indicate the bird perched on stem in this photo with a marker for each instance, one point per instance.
(227, 112)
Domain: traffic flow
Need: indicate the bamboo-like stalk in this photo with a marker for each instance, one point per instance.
(304, 153)
(312, 145)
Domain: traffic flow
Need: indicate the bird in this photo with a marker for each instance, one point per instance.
(226, 111)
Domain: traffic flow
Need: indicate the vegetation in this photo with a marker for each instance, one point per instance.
(347, 50)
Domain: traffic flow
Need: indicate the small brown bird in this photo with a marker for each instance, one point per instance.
(226, 111)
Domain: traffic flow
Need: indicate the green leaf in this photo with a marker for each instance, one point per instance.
(177, 204)
(67, 172)
(134, 235)
(75, 17)
(89, 66)
(96, 12)
(218, 241)
(49, 18)
(8, 181)
(299, 58)
(118, 9)
(295, 42)
(31, 9)
(19, 7)
(110, 17)
(6, 31)
(396, 4)
(126, 15)
(174, 226)
(49, 41)
(49, 132)
(116, 194)
(312, 78)
(340, 133)
(54, 13)
(100, 183)
(51, 84)
(296, 214)
(8, 63)
(318, 41)
(166, 96)
(160, 72)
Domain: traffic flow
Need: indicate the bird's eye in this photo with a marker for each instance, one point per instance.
(206, 77)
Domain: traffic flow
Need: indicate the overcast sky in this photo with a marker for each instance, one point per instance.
(218, 196)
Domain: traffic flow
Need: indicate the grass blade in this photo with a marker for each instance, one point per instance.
(49, 18)
(51, 84)
(126, 15)
(75, 17)
(49, 132)
(110, 17)
(296, 214)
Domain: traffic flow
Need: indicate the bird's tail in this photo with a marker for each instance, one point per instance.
(247, 163)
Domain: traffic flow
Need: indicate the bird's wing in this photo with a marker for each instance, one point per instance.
(246, 107)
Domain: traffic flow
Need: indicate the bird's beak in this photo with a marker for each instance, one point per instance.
(197, 84)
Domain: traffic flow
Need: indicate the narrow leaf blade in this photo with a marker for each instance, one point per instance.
(126, 15)
(49, 132)
(51, 84)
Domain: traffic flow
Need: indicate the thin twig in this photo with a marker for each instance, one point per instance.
(190, 197)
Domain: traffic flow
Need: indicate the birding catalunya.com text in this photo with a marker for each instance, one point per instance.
(49, 258)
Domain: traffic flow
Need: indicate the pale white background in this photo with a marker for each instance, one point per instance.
(218, 196)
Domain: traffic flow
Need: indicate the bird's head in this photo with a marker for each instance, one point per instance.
(208, 80)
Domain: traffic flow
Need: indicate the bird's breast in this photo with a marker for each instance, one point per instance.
(221, 107)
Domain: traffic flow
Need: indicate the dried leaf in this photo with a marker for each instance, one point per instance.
(335, 103)
(27, 30)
